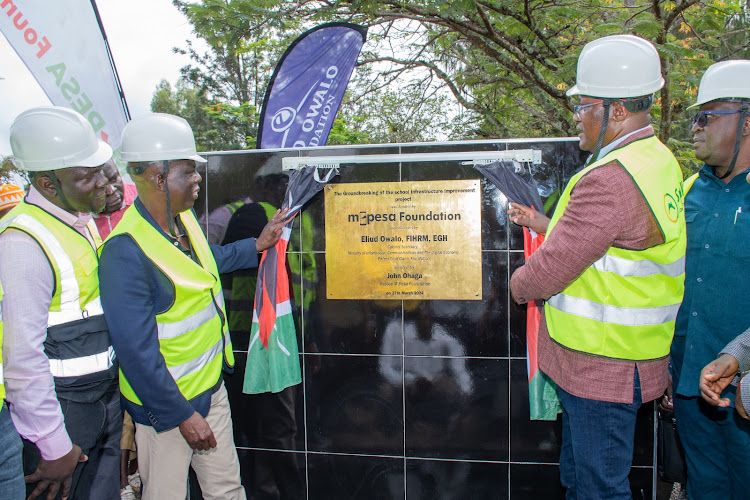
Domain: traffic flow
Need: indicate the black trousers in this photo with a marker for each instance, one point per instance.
(95, 427)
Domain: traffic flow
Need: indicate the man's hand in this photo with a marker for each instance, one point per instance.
(272, 231)
(198, 433)
(738, 403)
(715, 377)
(666, 402)
(54, 474)
(525, 216)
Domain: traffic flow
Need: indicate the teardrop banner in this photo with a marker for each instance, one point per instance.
(308, 85)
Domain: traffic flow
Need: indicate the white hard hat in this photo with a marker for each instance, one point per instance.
(157, 137)
(618, 66)
(52, 138)
(724, 80)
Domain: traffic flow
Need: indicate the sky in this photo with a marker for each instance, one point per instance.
(141, 35)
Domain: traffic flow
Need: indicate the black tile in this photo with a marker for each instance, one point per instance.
(468, 327)
(248, 427)
(543, 481)
(349, 326)
(643, 452)
(461, 413)
(530, 440)
(352, 407)
(517, 313)
(443, 479)
(642, 482)
(282, 471)
(355, 477)
(534, 481)
(232, 176)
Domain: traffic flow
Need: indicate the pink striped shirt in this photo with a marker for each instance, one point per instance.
(28, 284)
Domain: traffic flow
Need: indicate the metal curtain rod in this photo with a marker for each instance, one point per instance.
(532, 156)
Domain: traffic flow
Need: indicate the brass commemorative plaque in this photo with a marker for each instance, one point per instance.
(404, 240)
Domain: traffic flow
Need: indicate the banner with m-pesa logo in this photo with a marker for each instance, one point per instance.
(63, 47)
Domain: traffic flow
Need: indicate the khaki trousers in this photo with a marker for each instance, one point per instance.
(165, 457)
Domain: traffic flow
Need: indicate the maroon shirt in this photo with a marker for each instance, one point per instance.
(606, 209)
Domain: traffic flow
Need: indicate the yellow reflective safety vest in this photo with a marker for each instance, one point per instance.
(235, 205)
(624, 305)
(193, 334)
(2, 378)
(80, 355)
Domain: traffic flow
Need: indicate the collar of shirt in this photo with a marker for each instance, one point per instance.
(645, 131)
(146, 215)
(708, 171)
(76, 221)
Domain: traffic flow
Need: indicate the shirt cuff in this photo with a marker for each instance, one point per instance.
(56, 445)
(745, 392)
(739, 352)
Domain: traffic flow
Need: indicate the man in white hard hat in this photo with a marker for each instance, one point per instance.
(163, 302)
(611, 269)
(714, 312)
(60, 376)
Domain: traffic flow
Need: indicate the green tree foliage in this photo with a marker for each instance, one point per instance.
(245, 47)
(10, 174)
(215, 127)
(233, 74)
(507, 64)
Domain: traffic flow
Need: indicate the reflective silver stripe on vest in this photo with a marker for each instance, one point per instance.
(69, 293)
(177, 328)
(85, 365)
(196, 364)
(626, 316)
(93, 308)
(638, 268)
(2, 376)
(220, 299)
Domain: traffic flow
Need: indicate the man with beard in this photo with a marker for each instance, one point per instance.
(163, 301)
(60, 379)
(120, 195)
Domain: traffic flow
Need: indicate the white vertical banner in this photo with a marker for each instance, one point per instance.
(62, 45)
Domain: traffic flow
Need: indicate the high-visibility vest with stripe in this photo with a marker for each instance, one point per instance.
(193, 334)
(624, 305)
(80, 356)
(2, 378)
(235, 205)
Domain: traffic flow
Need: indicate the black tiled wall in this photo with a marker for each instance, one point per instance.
(362, 432)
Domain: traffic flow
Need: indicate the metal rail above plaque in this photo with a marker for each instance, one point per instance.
(404, 240)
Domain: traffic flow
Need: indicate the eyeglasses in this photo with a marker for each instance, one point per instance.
(580, 107)
(701, 117)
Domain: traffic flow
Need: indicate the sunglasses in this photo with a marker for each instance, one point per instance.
(701, 117)
(580, 107)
